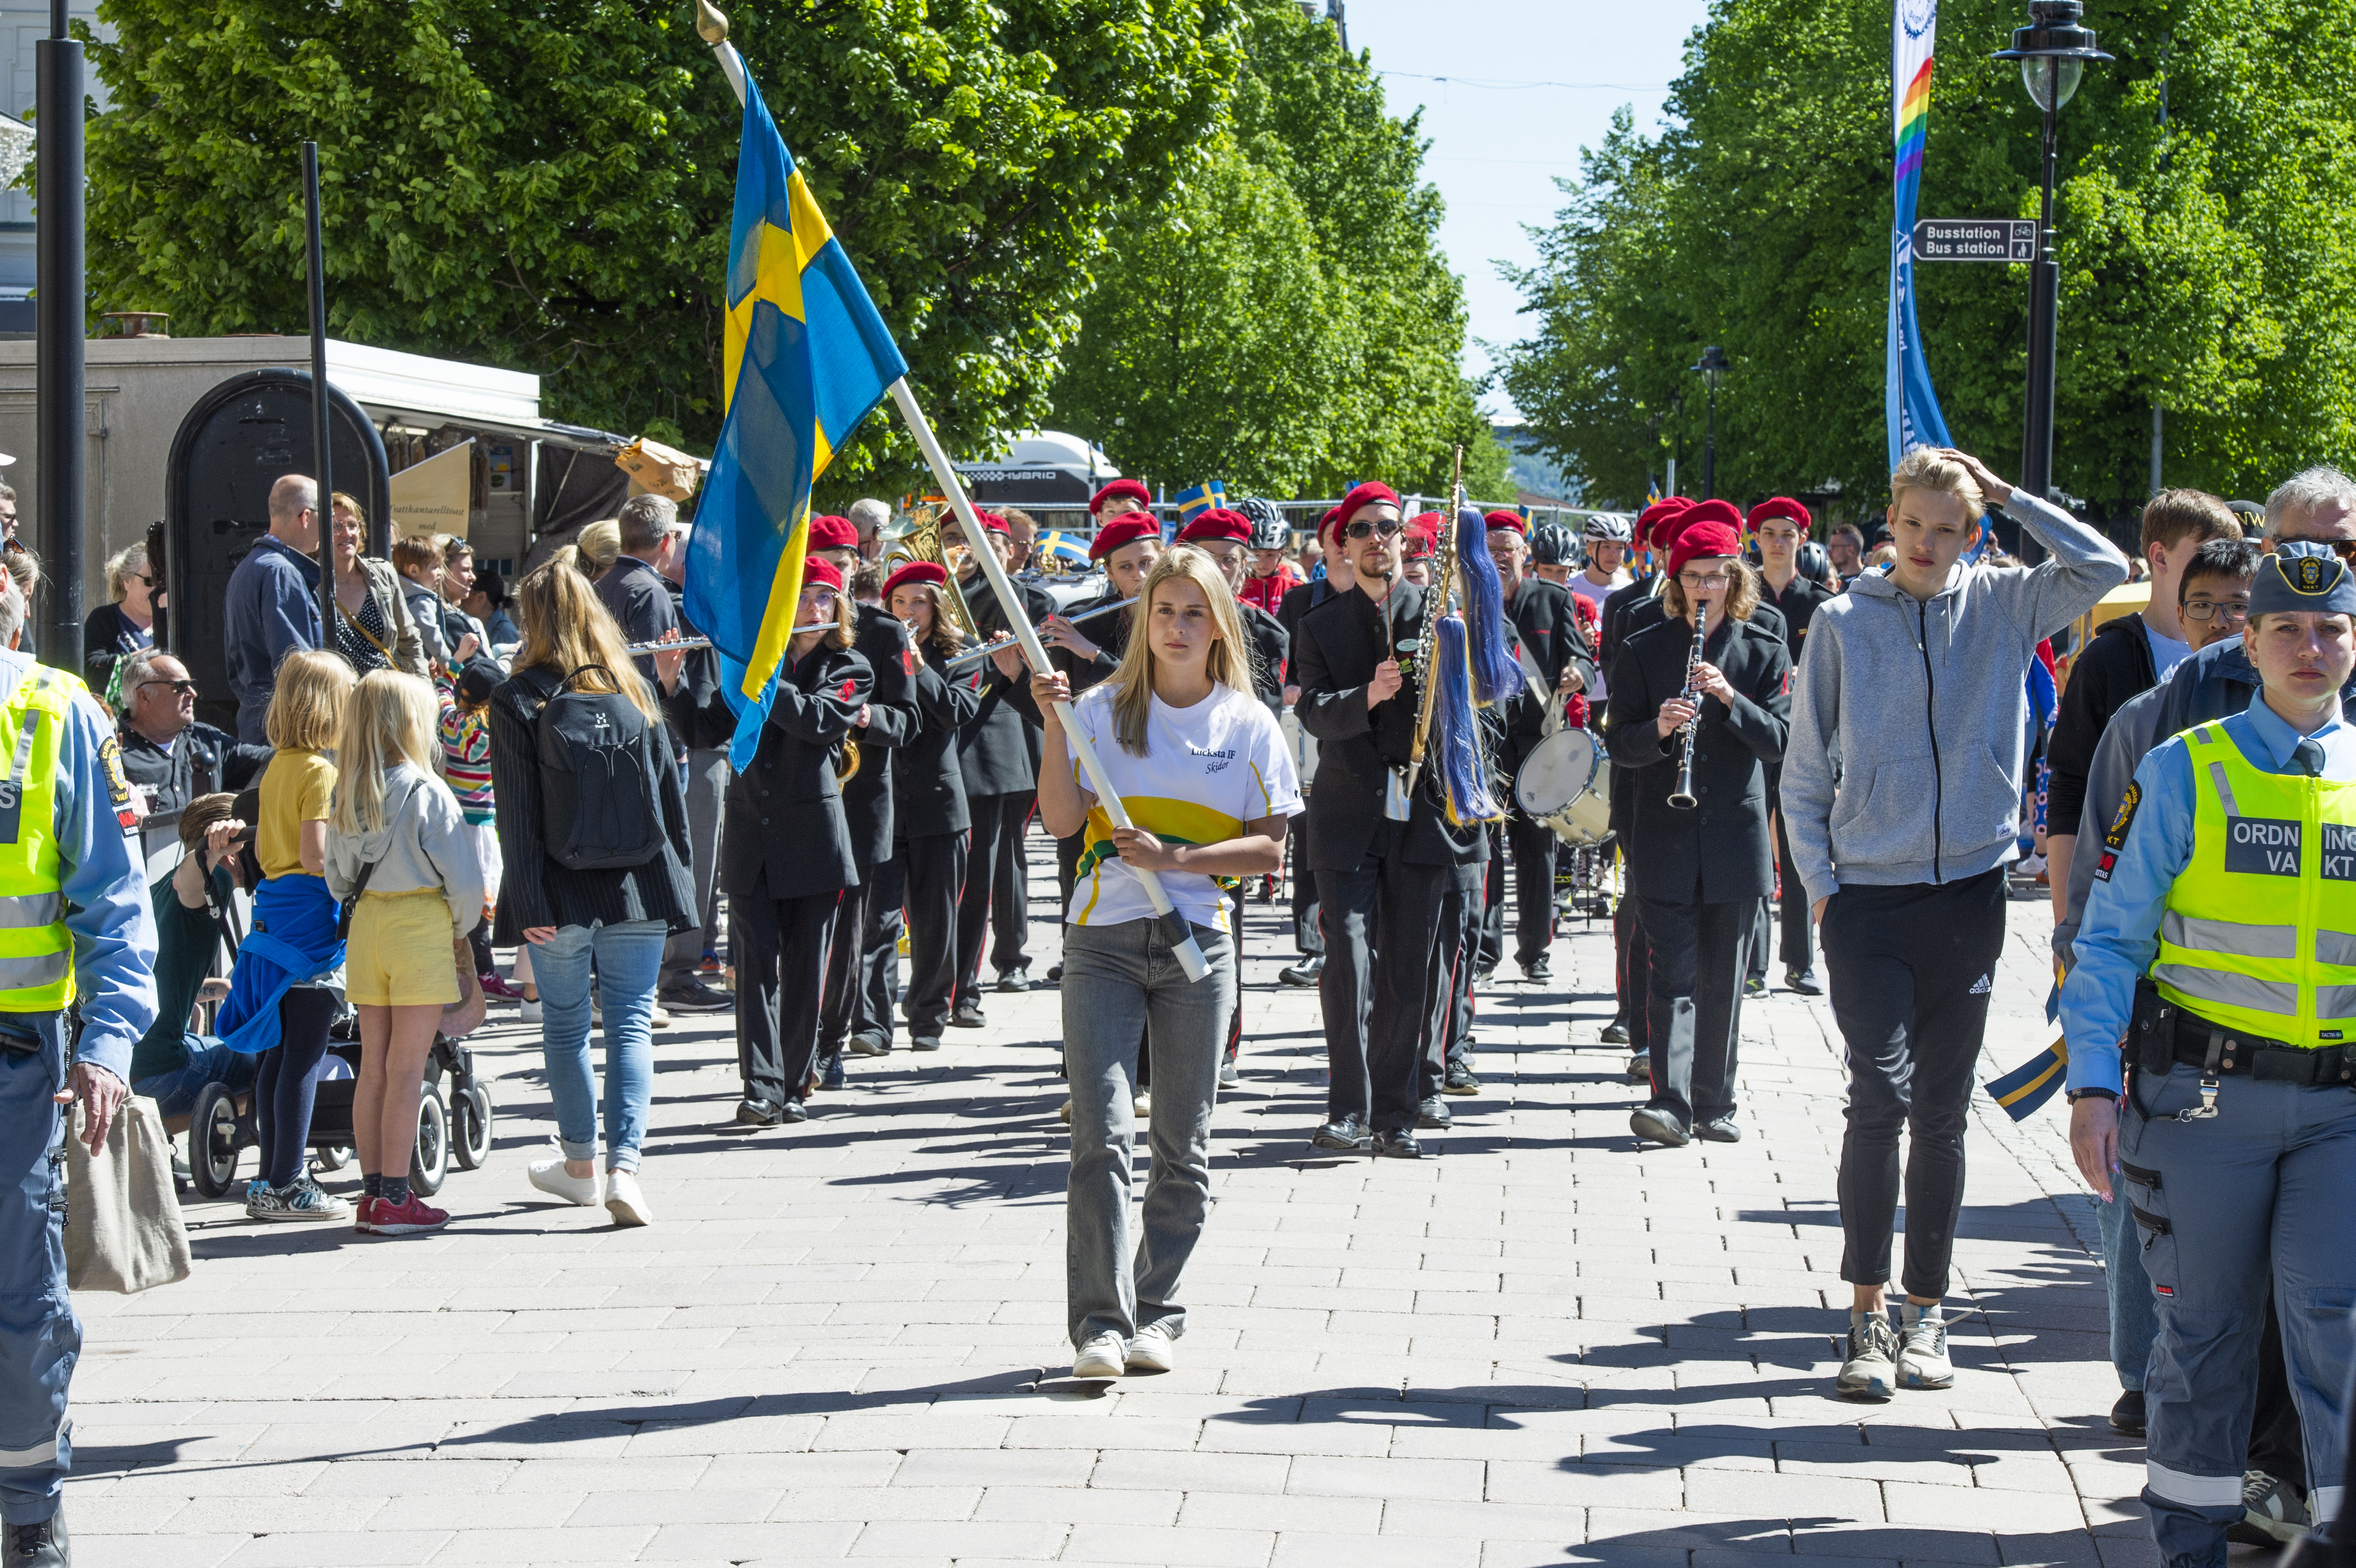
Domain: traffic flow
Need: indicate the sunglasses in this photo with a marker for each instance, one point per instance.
(185, 688)
(1387, 527)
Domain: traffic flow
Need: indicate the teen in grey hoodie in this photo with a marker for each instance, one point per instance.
(1901, 795)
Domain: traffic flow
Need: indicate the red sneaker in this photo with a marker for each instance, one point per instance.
(410, 1217)
(364, 1215)
(498, 988)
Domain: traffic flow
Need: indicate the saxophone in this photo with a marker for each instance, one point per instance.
(1683, 797)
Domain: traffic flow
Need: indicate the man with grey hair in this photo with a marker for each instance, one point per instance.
(274, 600)
(871, 517)
(168, 756)
(633, 588)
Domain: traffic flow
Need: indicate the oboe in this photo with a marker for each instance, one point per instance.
(1683, 797)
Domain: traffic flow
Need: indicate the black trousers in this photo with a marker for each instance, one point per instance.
(1307, 936)
(846, 953)
(780, 949)
(879, 957)
(935, 874)
(1799, 947)
(1374, 1016)
(1448, 1021)
(994, 891)
(1633, 966)
(1761, 924)
(1697, 955)
(1911, 968)
(1534, 845)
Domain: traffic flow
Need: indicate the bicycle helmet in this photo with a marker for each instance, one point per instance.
(1609, 527)
(1268, 530)
(1813, 563)
(1552, 545)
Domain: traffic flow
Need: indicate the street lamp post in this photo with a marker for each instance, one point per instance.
(1713, 369)
(58, 305)
(2053, 51)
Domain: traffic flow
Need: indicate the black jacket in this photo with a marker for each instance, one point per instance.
(1270, 646)
(1613, 611)
(1650, 613)
(1334, 655)
(639, 601)
(535, 890)
(999, 749)
(199, 760)
(784, 814)
(883, 641)
(698, 711)
(1546, 624)
(1797, 604)
(1109, 632)
(2114, 667)
(928, 784)
(1719, 852)
(1298, 601)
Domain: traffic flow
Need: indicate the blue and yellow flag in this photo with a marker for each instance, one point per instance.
(1193, 503)
(2033, 1082)
(807, 358)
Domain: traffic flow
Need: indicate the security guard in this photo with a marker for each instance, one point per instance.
(2219, 939)
(78, 927)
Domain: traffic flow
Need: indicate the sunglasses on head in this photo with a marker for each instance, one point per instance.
(1387, 527)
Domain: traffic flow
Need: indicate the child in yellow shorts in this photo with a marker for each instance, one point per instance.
(397, 837)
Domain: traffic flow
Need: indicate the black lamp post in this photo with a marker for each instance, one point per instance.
(61, 300)
(2053, 51)
(1713, 369)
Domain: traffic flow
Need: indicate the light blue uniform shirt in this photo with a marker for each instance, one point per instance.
(2121, 933)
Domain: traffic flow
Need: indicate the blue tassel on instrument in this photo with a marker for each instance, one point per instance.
(1496, 673)
(1456, 734)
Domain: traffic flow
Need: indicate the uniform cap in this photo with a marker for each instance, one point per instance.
(2302, 575)
(833, 533)
(914, 572)
(1120, 530)
(1119, 489)
(1218, 523)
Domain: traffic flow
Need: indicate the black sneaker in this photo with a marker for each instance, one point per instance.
(1345, 1132)
(925, 1043)
(1459, 1080)
(2273, 1513)
(968, 1014)
(44, 1544)
(1481, 975)
(1537, 969)
(1640, 1068)
(1431, 1114)
(1656, 1125)
(870, 1045)
(1802, 981)
(1396, 1144)
(1302, 976)
(1014, 980)
(1615, 1033)
(1754, 986)
(2126, 1416)
(694, 996)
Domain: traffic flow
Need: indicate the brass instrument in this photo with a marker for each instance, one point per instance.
(974, 655)
(1435, 605)
(921, 541)
(1683, 797)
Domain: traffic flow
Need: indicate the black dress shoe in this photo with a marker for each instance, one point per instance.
(1657, 1126)
(1396, 1144)
(1640, 1068)
(1431, 1114)
(753, 1112)
(1537, 969)
(2127, 1414)
(1615, 1033)
(967, 1015)
(1346, 1132)
(1014, 980)
(1304, 975)
(1802, 981)
(793, 1111)
(42, 1545)
(1459, 1080)
(925, 1043)
(1718, 1130)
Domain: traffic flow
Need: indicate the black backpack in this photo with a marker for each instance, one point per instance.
(601, 801)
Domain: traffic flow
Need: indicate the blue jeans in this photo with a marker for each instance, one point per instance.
(41, 1338)
(1119, 981)
(174, 1093)
(2134, 1311)
(628, 958)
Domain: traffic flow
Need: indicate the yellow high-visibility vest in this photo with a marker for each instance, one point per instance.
(2260, 929)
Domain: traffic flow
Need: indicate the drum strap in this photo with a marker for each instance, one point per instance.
(1548, 704)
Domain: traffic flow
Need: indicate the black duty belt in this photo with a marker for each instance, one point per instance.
(2255, 1057)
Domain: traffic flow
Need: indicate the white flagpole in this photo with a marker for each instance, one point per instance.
(1174, 926)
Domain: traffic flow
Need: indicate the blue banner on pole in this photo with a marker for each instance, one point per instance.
(1913, 407)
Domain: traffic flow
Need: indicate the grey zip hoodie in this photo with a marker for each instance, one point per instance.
(1905, 763)
(423, 843)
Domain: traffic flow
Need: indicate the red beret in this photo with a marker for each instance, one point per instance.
(1513, 520)
(1703, 538)
(1726, 512)
(1119, 489)
(817, 572)
(1780, 506)
(833, 533)
(1124, 531)
(1371, 492)
(1652, 516)
(1216, 523)
(1422, 535)
(1326, 523)
(992, 521)
(913, 573)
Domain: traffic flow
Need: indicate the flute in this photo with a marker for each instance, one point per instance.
(641, 650)
(973, 654)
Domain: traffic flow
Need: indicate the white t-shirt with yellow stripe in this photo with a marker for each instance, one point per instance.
(1206, 772)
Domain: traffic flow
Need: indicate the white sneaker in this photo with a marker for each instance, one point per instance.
(1922, 1361)
(550, 1177)
(528, 1010)
(1064, 1115)
(625, 1202)
(1153, 1351)
(1869, 1373)
(1100, 1357)
(662, 1020)
(1144, 1103)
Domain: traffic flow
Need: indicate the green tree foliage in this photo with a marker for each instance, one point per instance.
(546, 184)
(2202, 266)
(1286, 323)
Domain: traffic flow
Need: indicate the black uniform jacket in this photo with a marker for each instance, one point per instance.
(1334, 654)
(1270, 646)
(1109, 632)
(1797, 604)
(1717, 853)
(1000, 750)
(1546, 625)
(1298, 601)
(883, 641)
(1650, 613)
(928, 784)
(785, 814)
(1613, 611)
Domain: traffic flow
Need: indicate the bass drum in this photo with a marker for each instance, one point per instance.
(1304, 746)
(1566, 783)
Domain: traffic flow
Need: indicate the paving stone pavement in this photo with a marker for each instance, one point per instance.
(1538, 1345)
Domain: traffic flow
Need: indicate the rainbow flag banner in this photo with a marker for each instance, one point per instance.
(1910, 406)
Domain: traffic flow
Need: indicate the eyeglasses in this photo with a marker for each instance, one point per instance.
(1711, 580)
(183, 687)
(1389, 527)
(2205, 610)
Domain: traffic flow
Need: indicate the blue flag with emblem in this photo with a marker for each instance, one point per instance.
(806, 358)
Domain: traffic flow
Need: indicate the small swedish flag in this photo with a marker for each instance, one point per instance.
(2033, 1082)
(1193, 503)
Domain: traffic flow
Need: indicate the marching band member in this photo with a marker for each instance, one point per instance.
(1698, 871)
(1374, 871)
(1308, 930)
(1607, 551)
(786, 855)
(1553, 555)
(1655, 531)
(929, 818)
(1421, 538)
(1781, 524)
(886, 723)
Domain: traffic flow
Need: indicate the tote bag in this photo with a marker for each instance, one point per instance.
(123, 1219)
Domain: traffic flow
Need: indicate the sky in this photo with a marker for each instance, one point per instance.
(1496, 143)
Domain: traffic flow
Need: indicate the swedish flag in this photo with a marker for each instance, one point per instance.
(2033, 1082)
(807, 358)
(1193, 503)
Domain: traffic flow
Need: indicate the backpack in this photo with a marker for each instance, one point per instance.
(601, 803)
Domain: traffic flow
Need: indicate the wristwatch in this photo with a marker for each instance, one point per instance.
(2075, 1095)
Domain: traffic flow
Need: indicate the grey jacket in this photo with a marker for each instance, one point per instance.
(424, 843)
(1925, 700)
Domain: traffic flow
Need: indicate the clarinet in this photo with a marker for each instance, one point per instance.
(1683, 797)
